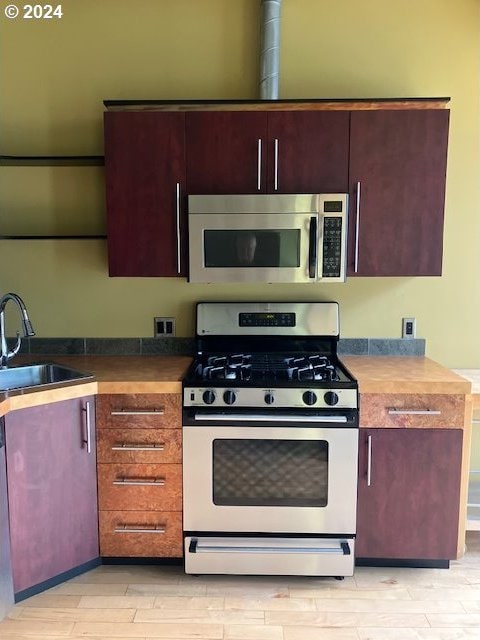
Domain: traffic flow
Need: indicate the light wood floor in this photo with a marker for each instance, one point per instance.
(141, 602)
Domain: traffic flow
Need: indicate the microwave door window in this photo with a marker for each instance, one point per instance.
(253, 248)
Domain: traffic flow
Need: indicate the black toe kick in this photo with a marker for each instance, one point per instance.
(408, 562)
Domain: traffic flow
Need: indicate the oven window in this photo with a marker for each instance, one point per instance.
(264, 248)
(270, 473)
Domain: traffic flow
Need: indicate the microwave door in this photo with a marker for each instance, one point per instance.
(247, 247)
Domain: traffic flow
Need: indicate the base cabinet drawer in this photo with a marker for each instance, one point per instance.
(142, 411)
(144, 487)
(141, 534)
(139, 445)
(424, 411)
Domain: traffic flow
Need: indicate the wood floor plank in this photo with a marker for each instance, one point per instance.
(116, 602)
(73, 614)
(150, 630)
(345, 619)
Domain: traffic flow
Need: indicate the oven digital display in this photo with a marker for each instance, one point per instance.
(266, 319)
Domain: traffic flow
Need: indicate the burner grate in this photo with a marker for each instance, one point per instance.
(267, 367)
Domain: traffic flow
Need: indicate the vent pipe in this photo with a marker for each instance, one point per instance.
(270, 49)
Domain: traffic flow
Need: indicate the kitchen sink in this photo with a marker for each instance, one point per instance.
(31, 376)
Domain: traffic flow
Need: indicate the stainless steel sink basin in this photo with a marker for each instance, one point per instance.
(38, 375)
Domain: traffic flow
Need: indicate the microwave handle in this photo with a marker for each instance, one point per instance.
(312, 248)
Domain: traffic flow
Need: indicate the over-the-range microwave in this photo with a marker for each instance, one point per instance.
(268, 238)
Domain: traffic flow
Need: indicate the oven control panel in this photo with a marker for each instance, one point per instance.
(266, 319)
(284, 398)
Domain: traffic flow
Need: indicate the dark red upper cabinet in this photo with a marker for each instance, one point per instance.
(226, 152)
(307, 151)
(397, 190)
(267, 151)
(145, 191)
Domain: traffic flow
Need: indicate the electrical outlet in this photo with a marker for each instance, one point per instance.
(163, 327)
(408, 327)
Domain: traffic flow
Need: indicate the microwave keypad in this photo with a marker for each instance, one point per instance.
(332, 247)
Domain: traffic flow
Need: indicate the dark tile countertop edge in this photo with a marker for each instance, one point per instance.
(186, 346)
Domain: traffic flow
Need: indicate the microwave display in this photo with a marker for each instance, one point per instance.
(333, 206)
(251, 248)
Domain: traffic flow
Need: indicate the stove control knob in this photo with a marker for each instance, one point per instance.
(208, 396)
(269, 398)
(331, 398)
(229, 397)
(309, 397)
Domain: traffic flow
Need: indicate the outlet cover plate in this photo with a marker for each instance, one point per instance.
(163, 327)
(409, 328)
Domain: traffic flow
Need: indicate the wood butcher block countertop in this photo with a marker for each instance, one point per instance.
(163, 374)
(402, 374)
(473, 376)
(113, 374)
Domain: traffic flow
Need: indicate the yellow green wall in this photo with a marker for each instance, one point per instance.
(55, 74)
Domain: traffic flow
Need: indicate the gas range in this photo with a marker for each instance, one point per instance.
(270, 443)
(262, 355)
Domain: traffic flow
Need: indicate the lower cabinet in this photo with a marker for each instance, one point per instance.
(408, 493)
(52, 490)
(139, 446)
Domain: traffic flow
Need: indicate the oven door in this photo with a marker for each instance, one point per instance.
(270, 479)
(248, 247)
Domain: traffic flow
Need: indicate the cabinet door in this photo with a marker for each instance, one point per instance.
(408, 506)
(397, 181)
(226, 152)
(307, 151)
(145, 191)
(52, 490)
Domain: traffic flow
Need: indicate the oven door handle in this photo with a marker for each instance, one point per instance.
(202, 546)
(312, 248)
(266, 417)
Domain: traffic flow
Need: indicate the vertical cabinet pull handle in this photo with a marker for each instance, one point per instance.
(177, 208)
(276, 164)
(369, 461)
(259, 164)
(88, 427)
(357, 227)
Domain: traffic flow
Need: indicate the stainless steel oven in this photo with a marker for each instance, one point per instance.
(270, 443)
(268, 238)
(279, 478)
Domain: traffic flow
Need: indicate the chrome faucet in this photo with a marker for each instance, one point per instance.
(5, 354)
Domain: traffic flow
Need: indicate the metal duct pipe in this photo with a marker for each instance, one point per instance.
(270, 49)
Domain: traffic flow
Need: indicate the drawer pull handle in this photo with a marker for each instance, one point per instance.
(475, 421)
(138, 412)
(124, 528)
(144, 482)
(413, 412)
(139, 447)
